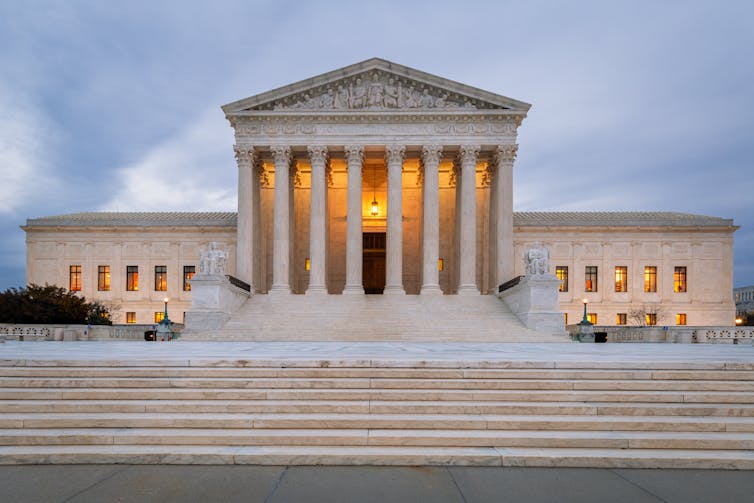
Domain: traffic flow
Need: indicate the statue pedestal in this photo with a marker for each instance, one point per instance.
(534, 300)
(213, 300)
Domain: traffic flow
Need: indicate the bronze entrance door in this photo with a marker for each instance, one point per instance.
(373, 262)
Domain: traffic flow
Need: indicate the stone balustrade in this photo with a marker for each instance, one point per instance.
(53, 332)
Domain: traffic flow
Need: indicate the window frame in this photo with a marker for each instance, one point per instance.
(681, 319)
(74, 278)
(621, 278)
(590, 278)
(680, 279)
(132, 278)
(131, 317)
(650, 279)
(103, 278)
(650, 319)
(621, 319)
(561, 272)
(161, 278)
(188, 272)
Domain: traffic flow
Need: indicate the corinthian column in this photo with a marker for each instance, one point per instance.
(431, 219)
(505, 154)
(245, 237)
(317, 239)
(394, 248)
(354, 237)
(467, 246)
(281, 221)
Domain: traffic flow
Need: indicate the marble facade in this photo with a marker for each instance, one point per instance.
(438, 157)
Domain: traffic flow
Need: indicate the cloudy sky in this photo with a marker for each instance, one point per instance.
(637, 105)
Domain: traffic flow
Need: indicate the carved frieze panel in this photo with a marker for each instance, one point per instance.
(376, 90)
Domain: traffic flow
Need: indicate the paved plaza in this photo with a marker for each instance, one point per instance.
(273, 484)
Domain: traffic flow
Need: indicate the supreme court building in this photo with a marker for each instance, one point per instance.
(381, 179)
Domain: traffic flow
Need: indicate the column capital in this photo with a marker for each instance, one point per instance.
(317, 153)
(244, 154)
(354, 154)
(506, 153)
(281, 154)
(469, 153)
(431, 154)
(394, 153)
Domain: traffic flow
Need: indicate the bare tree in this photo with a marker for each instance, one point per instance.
(639, 315)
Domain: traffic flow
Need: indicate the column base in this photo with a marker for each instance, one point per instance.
(431, 290)
(353, 290)
(279, 289)
(394, 290)
(316, 290)
(468, 290)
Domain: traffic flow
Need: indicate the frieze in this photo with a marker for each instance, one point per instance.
(288, 129)
(376, 90)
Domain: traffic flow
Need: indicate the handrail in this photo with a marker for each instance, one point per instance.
(509, 284)
(238, 283)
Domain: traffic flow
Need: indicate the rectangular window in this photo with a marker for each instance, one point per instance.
(103, 278)
(130, 317)
(620, 318)
(188, 273)
(565, 318)
(680, 319)
(561, 272)
(650, 318)
(590, 284)
(160, 278)
(650, 278)
(132, 278)
(679, 280)
(74, 278)
(159, 316)
(621, 278)
(591, 318)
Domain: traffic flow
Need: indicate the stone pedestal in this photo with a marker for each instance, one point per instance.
(213, 300)
(534, 300)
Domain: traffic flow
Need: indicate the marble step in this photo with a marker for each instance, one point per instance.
(730, 397)
(377, 421)
(355, 372)
(367, 455)
(419, 383)
(373, 407)
(416, 438)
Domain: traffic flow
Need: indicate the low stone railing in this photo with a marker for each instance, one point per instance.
(675, 334)
(52, 332)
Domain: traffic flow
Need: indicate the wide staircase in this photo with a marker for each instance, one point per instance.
(353, 411)
(279, 317)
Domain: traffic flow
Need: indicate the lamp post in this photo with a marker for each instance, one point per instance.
(163, 328)
(585, 330)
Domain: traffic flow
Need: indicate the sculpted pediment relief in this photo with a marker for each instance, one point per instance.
(375, 85)
(375, 90)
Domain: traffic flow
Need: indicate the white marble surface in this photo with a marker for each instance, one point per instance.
(381, 354)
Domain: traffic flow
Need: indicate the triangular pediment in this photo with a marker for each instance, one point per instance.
(375, 85)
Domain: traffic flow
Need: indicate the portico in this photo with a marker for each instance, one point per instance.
(437, 154)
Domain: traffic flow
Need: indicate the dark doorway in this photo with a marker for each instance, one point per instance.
(373, 262)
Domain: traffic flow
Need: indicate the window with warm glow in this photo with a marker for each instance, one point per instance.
(621, 278)
(621, 318)
(561, 272)
(591, 318)
(132, 278)
(680, 319)
(130, 317)
(159, 316)
(650, 278)
(650, 318)
(679, 280)
(565, 318)
(103, 278)
(160, 278)
(590, 278)
(188, 273)
(74, 278)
